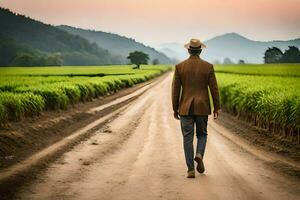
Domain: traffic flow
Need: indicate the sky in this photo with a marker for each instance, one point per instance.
(154, 22)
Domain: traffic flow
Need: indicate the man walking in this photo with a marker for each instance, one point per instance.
(191, 104)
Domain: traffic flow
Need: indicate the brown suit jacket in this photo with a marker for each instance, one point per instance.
(190, 84)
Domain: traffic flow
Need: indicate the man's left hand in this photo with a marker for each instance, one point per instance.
(216, 114)
(176, 115)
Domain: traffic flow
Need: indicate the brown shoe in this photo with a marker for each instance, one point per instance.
(191, 174)
(200, 165)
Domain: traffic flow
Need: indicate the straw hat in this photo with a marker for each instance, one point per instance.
(195, 44)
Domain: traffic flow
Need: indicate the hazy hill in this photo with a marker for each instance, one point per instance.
(231, 45)
(117, 44)
(73, 49)
(173, 50)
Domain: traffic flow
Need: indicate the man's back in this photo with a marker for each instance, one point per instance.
(192, 78)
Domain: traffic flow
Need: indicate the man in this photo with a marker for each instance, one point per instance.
(191, 104)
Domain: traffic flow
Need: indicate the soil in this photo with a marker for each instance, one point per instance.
(261, 137)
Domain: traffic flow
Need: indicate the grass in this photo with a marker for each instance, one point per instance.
(16, 106)
(74, 70)
(29, 91)
(261, 69)
(269, 98)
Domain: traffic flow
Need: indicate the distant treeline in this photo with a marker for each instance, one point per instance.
(275, 55)
(13, 54)
(271, 55)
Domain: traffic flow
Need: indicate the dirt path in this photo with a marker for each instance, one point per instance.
(139, 155)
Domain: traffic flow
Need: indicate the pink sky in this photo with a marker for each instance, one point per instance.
(159, 21)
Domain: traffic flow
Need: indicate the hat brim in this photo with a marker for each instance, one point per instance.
(187, 46)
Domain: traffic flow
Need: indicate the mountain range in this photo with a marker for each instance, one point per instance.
(43, 40)
(230, 45)
(33, 42)
(117, 45)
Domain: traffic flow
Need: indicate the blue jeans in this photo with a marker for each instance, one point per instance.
(187, 127)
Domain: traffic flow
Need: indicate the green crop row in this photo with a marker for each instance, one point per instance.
(77, 70)
(16, 106)
(22, 96)
(269, 102)
(292, 70)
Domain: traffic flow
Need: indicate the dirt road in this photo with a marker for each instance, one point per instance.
(139, 155)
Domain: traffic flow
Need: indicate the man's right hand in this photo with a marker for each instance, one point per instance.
(176, 115)
(216, 114)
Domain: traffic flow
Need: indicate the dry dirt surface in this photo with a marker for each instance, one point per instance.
(139, 155)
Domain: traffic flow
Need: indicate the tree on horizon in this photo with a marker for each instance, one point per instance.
(273, 55)
(291, 55)
(227, 61)
(155, 61)
(138, 58)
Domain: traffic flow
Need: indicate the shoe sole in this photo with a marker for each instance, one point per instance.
(200, 165)
(191, 176)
